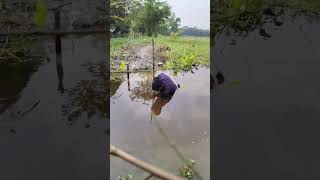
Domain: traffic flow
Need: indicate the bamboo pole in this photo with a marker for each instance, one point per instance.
(148, 177)
(152, 54)
(143, 165)
(128, 77)
(133, 71)
(53, 33)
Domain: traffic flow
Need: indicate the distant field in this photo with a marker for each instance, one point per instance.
(185, 50)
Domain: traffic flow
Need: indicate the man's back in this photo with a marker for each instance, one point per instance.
(168, 86)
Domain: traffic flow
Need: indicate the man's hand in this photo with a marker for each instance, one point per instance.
(156, 94)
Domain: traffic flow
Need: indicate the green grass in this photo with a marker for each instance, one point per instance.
(184, 51)
(123, 41)
(201, 46)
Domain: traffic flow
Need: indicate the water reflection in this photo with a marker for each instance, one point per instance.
(158, 104)
(43, 96)
(267, 128)
(14, 77)
(88, 97)
(59, 64)
(142, 91)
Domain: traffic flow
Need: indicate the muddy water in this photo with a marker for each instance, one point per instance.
(267, 127)
(184, 119)
(54, 114)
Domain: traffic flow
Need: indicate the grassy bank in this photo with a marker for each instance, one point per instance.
(184, 52)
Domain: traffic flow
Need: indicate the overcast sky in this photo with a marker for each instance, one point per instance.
(194, 13)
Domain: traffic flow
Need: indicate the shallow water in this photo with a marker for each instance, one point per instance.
(184, 119)
(55, 124)
(267, 126)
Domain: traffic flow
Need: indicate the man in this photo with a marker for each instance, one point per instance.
(164, 85)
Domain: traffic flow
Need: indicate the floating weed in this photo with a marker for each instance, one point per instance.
(128, 177)
(187, 170)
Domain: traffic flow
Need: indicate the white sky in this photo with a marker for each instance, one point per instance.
(193, 13)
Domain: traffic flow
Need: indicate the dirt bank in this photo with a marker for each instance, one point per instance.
(139, 57)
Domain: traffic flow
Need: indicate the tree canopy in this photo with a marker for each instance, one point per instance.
(149, 17)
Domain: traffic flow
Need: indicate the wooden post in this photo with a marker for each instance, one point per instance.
(152, 54)
(57, 19)
(128, 77)
(58, 51)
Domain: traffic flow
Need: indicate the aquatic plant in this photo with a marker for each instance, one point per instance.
(187, 170)
(184, 60)
(128, 177)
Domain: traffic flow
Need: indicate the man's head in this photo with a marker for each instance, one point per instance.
(157, 84)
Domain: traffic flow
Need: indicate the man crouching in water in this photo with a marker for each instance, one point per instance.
(166, 88)
(164, 85)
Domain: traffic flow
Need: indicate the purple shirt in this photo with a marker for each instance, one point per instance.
(169, 86)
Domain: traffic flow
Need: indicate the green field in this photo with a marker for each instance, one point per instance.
(185, 52)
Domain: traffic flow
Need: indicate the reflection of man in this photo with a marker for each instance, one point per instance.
(158, 104)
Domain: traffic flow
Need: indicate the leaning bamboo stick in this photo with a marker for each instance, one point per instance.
(143, 165)
(133, 71)
(53, 32)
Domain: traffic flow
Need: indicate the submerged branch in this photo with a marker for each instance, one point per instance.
(143, 165)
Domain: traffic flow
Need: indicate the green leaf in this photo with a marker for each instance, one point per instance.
(41, 13)
(123, 66)
(129, 177)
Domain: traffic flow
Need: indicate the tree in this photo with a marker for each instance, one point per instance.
(153, 13)
(174, 23)
(145, 16)
(134, 7)
(118, 13)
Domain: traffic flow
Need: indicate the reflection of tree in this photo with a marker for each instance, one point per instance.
(13, 79)
(115, 82)
(142, 92)
(89, 96)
